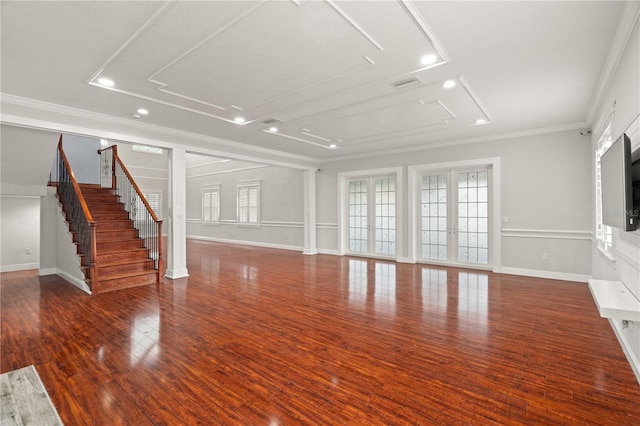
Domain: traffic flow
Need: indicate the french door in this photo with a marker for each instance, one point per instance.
(372, 216)
(454, 217)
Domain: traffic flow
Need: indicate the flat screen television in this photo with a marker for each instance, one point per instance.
(617, 181)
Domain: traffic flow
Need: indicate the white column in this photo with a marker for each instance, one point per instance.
(310, 246)
(177, 226)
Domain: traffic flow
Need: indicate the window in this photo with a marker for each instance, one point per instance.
(604, 233)
(249, 203)
(154, 199)
(211, 204)
(147, 149)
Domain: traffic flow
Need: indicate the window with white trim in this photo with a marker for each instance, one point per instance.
(211, 204)
(249, 203)
(154, 198)
(604, 233)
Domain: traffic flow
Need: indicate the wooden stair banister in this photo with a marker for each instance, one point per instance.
(116, 165)
(64, 162)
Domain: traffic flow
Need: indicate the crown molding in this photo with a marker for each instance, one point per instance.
(628, 19)
(166, 140)
(450, 143)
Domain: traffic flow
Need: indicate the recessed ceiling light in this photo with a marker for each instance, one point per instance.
(135, 116)
(239, 120)
(273, 129)
(333, 146)
(106, 82)
(480, 121)
(142, 111)
(449, 84)
(428, 59)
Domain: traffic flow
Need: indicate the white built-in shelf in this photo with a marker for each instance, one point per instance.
(614, 300)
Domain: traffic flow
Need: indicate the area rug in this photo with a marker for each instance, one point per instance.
(24, 400)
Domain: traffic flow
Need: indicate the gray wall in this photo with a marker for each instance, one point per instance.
(282, 197)
(20, 231)
(26, 156)
(82, 153)
(545, 193)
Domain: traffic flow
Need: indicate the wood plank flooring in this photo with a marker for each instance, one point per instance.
(269, 337)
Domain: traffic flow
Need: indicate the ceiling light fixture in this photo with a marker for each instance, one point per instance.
(142, 111)
(333, 146)
(273, 129)
(480, 121)
(106, 82)
(135, 116)
(449, 84)
(239, 120)
(428, 59)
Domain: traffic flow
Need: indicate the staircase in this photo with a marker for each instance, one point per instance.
(122, 261)
(117, 235)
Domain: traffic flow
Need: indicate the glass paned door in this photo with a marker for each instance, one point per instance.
(358, 216)
(434, 217)
(385, 230)
(454, 213)
(473, 217)
(372, 216)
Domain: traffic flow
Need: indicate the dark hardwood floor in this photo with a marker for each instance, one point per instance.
(269, 337)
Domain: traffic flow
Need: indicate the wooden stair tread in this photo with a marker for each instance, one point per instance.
(102, 250)
(124, 262)
(130, 249)
(121, 275)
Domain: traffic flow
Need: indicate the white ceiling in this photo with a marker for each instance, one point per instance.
(325, 70)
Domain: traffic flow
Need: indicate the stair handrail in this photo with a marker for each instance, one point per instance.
(74, 183)
(114, 148)
(88, 248)
(115, 158)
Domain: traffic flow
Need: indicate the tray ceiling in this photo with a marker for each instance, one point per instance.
(316, 78)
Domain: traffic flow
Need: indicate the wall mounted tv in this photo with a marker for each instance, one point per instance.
(620, 191)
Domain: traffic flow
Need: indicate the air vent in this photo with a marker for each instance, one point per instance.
(406, 83)
(270, 121)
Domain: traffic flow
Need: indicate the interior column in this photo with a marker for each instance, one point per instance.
(310, 246)
(177, 226)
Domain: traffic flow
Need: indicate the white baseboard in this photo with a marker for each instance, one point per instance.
(329, 251)
(20, 267)
(309, 252)
(74, 280)
(552, 275)
(626, 348)
(246, 243)
(47, 271)
(174, 274)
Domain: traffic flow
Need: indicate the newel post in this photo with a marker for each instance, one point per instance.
(114, 155)
(94, 256)
(160, 254)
